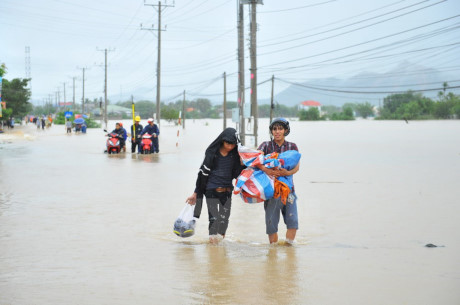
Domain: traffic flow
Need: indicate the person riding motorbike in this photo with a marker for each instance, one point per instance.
(122, 134)
(153, 130)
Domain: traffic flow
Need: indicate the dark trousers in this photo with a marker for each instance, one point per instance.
(133, 146)
(155, 145)
(219, 206)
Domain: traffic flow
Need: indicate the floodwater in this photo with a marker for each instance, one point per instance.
(78, 226)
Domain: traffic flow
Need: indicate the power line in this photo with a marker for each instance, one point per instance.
(338, 21)
(363, 43)
(347, 32)
(362, 92)
(297, 8)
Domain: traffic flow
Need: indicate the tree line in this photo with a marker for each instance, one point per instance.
(406, 106)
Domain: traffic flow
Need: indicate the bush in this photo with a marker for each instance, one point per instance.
(346, 115)
(311, 114)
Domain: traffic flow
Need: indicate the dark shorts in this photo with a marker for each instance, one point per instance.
(273, 208)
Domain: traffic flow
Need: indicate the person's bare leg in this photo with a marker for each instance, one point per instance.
(273, 238)
(290, 235)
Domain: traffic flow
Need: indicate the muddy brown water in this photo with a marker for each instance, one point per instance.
(78, 226)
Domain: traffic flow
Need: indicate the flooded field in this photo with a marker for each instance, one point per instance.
(78, 226)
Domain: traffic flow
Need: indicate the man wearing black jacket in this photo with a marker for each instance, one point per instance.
(136, 130)
(221, 165)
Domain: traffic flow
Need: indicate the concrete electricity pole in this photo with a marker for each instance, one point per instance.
(253, 56)
(271, 100)
(64, 95)
(225, 100)
(105, 86)
(159, 7)
(83, 97)
(57, 98)
(183, 112)
(73, 98)
(241, 70)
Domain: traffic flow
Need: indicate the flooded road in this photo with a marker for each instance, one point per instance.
(78, 226)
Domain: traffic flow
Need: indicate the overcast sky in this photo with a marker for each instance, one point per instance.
(297, 40)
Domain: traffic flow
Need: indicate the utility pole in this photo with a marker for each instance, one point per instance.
(73, 98)
(64, 95)
(50, 101)
(183, 112)
(253, 56)
(271, 101)
(83, 97)
(225, 100)
(105, 86)
(105, 90)
(28, 73)
(241, 70)
(159, 7)
(58, 97)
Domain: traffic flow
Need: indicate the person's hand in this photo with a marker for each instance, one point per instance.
(272, 172)
(191, 200)
(283, 172)
(132, 139)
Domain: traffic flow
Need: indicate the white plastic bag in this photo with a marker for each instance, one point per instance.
(184, 226)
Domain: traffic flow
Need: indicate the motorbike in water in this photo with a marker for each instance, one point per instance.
(147, 144)
(113, 143)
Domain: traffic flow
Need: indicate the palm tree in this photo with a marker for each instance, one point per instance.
(444, 87)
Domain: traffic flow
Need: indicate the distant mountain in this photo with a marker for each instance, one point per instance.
(334, 91)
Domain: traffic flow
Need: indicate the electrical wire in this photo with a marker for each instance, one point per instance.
(347, 32)
(361, 92)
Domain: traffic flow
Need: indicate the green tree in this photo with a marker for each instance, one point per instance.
(16, 94)
(168, 112)
(442, 110)
(2, 69)
(345, 115)
(403, 106)
(456, 109)
(231, 105)
(145, 109)
(364, 110)
(330, 109)
(350, 105)
(348, 113)
(409, 111)
(203, 105)
(43, 110)
(279, 110)
(311, 114)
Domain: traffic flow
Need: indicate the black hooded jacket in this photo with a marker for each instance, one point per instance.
(228, 135)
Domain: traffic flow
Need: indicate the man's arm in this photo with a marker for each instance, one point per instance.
(285, 172)
(269, 171)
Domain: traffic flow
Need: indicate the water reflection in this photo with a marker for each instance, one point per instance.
(117, 156)
(219, 279)
(150, 158)
(281, 279)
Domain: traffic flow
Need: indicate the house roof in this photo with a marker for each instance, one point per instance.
(311, 103)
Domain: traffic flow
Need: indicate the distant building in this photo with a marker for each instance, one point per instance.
(310, 104)
(65, 104)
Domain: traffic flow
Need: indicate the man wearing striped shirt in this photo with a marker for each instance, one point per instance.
(279, 129)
